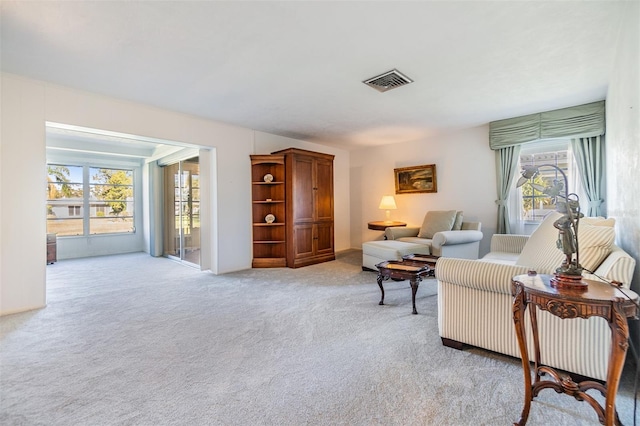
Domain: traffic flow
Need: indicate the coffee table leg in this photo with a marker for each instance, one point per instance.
(381, 289)
(415, 282)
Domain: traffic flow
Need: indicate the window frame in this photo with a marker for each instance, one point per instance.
(88, 199)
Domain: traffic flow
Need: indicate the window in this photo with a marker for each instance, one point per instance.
(84, 200)
(75, 210)
(530, 206)
(535, 204)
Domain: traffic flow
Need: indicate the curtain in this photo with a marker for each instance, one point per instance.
(589, 155)
(576, 122)
(584, 123)
(506, 169)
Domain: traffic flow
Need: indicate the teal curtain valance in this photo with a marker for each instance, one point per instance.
(576, 122)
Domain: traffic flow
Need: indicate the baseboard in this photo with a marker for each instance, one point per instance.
(18, 311)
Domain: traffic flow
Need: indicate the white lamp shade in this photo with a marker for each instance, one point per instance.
(388, 203)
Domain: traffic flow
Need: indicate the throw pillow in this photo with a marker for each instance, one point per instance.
(457, 224)
(542, 254)
(598, 221)
(594, 244)
(437, 221)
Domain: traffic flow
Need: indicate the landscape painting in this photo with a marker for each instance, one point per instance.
(416, 179)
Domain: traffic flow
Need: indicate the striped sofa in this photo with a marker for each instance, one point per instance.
(475, 302)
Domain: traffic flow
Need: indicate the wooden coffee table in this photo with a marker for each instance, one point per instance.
(429, 259)
(403, 270)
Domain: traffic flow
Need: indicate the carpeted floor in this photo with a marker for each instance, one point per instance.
(136, 340)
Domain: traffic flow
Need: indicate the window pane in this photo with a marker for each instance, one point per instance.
(64, 173)
(108, 225)
(64, 209)
(65, 227)
(113, 176)
(535, 204)
(111, 198)
(68, 191)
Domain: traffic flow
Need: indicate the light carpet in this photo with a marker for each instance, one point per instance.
(136, 340)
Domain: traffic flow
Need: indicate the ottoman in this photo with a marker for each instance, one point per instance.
(374, 252)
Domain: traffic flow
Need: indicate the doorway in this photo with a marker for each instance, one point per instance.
(182, 211)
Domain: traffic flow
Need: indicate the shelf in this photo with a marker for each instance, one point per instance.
(269, 239)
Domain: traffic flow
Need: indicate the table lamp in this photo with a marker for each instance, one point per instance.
(387, 203)
(569, 274)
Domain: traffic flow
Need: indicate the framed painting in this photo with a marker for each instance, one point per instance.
(416, 179)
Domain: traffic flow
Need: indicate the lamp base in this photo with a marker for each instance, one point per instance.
(568, 282)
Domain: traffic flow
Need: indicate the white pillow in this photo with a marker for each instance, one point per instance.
(594, 244)
(598, 221)
(457, 224)
(541, 253)
(437, 221)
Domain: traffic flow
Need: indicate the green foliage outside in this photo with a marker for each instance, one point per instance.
(528, 191)
(59, 174)
(114, 188)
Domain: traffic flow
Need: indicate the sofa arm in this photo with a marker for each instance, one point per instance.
(618, 266)
(508, 243)
(454, 237)
(395, 232)
(486, 276)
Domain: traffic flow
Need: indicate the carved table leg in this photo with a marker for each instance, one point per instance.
(415, 282)
(619, 344)
(380, 278)
(519, 307)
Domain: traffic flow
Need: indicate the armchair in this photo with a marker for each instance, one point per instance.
(463, 243)
(443, 233)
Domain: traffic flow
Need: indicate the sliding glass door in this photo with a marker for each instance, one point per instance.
(182, 211)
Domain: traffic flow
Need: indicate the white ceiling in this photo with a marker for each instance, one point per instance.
(296, 68)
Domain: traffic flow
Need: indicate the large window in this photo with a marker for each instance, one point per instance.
(86, 200)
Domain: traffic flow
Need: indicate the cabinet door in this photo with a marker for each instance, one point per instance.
(324, 190)
(303, 236)
(324, 238)
(303, 192)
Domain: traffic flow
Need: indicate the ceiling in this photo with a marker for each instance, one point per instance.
(97, 143)
(296, 68)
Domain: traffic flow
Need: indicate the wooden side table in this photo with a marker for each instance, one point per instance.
(381, 225)
(601, 300)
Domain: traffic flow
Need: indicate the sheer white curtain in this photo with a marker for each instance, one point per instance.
(518, 223)
(575, 182)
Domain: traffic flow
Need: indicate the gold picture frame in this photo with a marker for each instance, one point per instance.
(416, 179)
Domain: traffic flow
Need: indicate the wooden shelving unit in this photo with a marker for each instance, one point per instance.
(268, 197)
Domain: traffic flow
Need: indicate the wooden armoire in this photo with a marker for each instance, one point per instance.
(309, 207)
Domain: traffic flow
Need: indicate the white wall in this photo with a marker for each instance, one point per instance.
(623, 145)
(266, 143)
(465, 167)
(27, 104)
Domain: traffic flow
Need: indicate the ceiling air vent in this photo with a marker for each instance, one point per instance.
(387, 81)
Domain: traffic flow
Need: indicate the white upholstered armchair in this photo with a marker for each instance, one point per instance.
(443, 233)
